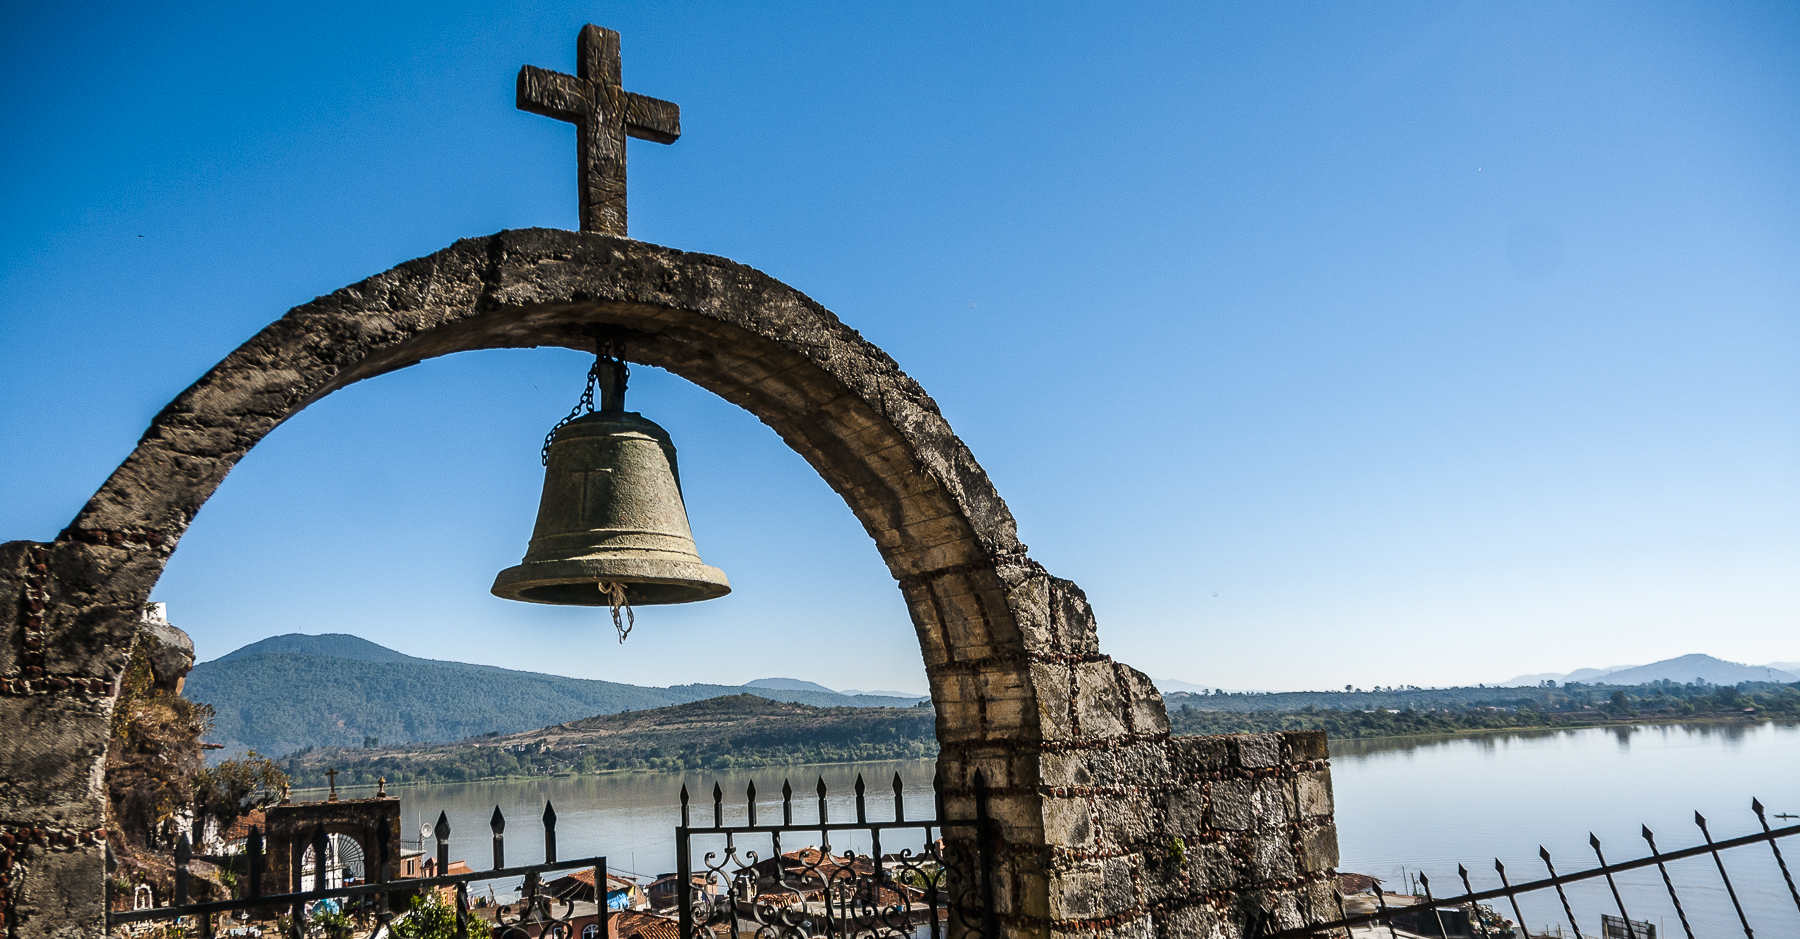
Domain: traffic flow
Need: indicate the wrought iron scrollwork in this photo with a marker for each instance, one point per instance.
(933, 891)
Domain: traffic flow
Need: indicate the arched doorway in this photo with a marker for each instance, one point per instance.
(1089, 792)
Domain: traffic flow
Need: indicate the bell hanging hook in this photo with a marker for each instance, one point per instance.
(611, 374)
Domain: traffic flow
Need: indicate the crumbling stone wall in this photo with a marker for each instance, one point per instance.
(1022, 692)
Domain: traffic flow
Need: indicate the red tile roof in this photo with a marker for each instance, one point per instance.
(645, 925)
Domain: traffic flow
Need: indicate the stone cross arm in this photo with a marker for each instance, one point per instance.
(604, 114)
(568, 98)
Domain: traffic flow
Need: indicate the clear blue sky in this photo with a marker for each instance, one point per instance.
(1321, 343)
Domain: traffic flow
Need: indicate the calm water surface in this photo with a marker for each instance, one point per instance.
(1426, 803)
(1402, 806)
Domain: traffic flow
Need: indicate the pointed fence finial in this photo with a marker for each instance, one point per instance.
(498, 824)
(550, 833)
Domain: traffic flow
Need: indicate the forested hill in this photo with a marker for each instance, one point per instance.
(718, 733)
(290, 692)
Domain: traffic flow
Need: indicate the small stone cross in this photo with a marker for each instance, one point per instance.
(332, 773)
(604, 114)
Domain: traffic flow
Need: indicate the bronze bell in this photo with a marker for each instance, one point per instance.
(611, 516)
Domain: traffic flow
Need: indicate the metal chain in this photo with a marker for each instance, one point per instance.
(583, 406)
(604, 350)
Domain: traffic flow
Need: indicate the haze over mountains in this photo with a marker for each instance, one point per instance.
(294, 691)
(1685, 669)
(290, 692)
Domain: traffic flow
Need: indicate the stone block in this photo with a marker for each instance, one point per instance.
(1213, 867)
(1318, 849)
(1313, 793)
(1008, 718)
(1065, 768)
(53, 771)
(1144, 704)
(1019, 816)
(1271, 804)
(1185, 810)
(14, 557)
(1068, 822)
(1271, 859)
(61, 895)
(1127, 821)
(1232, 805)
(1072, 619)
(1195, 922)
(1027, 592)
(1306, 745)
(1198, 756)
(1052, 681)
(1099, 701)
(1163, 874)
(1257, 751)
(1318, 901)
(1139, 926)
(1144, 763)
(1079, 891)
(1022, 888)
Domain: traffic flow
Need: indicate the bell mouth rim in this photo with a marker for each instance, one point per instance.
(576, 582)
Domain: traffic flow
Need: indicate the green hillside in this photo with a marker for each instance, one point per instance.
(717, 733)
(290, 692)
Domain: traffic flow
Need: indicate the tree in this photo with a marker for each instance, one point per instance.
(225, 792)
(431, 918)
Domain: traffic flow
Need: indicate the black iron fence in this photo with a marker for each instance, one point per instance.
(381, 903)
(1473, 912)
(930, 887)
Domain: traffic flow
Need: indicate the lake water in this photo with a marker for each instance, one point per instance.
(1402, 806)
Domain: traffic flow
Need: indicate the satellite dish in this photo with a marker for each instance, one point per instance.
(424, 833)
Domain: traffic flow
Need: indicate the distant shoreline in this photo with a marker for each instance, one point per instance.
(1657, 722)
(370, 788)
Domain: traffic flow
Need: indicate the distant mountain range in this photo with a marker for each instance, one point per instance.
(1685, 669)
(295, 691)
(717, 733)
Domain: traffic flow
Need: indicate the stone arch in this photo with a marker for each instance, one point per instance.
(1087, 787)
(292, 828)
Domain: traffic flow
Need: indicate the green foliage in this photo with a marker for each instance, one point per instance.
(281, 701)
(335, 924)
(718, 733)
(1572, 706)
(225, 792)
(1575, 696)
(153, 754)
(430, 917)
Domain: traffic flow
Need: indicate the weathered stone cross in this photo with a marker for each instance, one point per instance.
(333, 774)
(604, 114)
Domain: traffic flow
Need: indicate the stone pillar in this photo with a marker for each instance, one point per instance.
(77, 616)
(1107, 825)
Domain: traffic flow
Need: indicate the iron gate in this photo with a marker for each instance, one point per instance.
(941, 888)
